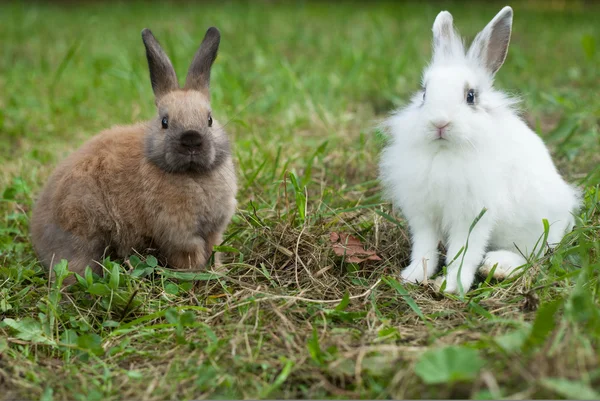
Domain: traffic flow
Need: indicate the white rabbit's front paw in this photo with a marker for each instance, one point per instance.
(413, 273)
(451, 279)
(505, 261)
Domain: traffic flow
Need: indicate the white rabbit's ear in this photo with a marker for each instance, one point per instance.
(198, 76)
(446, 41)
(491, 45)
(162, 74)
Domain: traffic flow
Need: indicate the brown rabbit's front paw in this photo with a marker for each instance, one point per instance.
(188, 260)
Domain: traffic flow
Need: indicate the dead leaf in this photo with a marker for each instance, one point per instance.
(351, 248)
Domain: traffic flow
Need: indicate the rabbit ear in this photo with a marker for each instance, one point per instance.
(162, 74)
(446, 41)
(491, 45)
(198, 76)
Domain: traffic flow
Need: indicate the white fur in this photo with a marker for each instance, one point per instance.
(488, 159)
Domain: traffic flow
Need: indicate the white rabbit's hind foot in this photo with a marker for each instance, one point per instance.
(505, 261)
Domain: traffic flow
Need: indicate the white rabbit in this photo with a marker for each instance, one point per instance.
(460, 147)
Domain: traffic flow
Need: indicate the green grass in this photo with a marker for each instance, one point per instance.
(301, 86)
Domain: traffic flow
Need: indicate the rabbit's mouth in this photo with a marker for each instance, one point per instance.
(439, 136)
(196, 160)
(175, 158)
(192, 153)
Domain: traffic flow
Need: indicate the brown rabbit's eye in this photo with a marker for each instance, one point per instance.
(209, 121)
(471, 97)
(165, 123)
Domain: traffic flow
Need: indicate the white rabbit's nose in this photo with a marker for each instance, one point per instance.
(440, 124)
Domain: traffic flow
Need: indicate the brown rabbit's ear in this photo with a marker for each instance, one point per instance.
(198, 77)
(162, 74)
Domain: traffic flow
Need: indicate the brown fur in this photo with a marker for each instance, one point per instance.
(131, 188)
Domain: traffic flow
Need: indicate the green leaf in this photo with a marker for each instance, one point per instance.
(225, 249)
(17, 187)
(171, 288)
(449, 365)
(172, 315)
(48, 394)
(543, 324)
(389, 331)
(135, 374)
(69, 337)
(143, 272)
(281, 378)
(513, 340)
(81, 281)
(91, 343)
(581, 306)
(89, 276)
(99, 289)
(9, 193)
(300, 196)
(134, 261)
(29, 329)
(61, 271)
(151, 261)
(344, 302)
(540, 245)
(4, 306)
(187, 319)
(314, 348)
(573, 390)
(113, 283)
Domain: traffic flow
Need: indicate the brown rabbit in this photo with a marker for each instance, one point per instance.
(168, 183)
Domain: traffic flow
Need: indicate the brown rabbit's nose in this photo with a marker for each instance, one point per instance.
(191, 139)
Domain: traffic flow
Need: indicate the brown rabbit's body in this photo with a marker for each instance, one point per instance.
(168, 184)
(107, 198)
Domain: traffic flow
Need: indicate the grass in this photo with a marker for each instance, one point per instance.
(302, 86)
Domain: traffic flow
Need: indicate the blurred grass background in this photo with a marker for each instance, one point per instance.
(301, 86)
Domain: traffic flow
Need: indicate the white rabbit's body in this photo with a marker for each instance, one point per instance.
(449, 160)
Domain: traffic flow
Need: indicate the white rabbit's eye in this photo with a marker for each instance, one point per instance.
(471, 97)
(424, 92)
(210, 121)
(165, 123)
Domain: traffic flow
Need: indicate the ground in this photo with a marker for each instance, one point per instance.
(301, 88)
